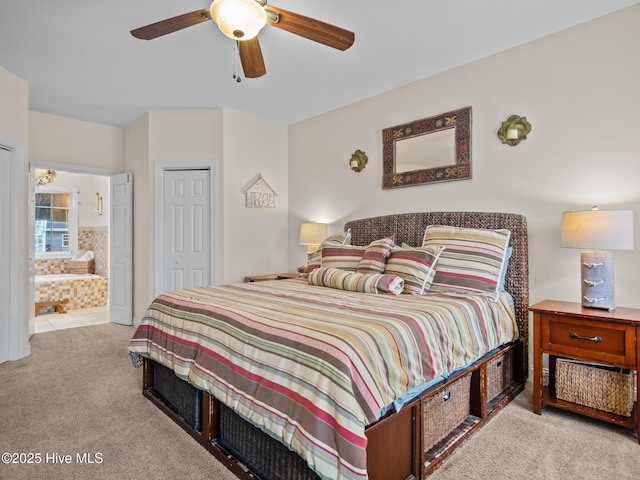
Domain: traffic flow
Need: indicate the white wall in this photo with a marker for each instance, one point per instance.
(68, 141)
(255, 239)
(579, 90)
(136, 161)
(249, 241)
(14, 133)
(14, 98)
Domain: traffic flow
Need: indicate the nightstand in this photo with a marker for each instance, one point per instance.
(271, 276)
(566, 330)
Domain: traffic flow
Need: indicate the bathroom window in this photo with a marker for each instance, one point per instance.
(56, 222)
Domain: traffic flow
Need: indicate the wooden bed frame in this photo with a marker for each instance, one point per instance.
(494, 380)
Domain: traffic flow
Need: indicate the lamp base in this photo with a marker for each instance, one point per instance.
(597, 280)
(311, 251)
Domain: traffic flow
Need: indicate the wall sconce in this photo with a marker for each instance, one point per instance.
(513, 130)
(97, 207)
(358, 161)
(595, 229)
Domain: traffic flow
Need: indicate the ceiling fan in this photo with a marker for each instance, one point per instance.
(242, 20)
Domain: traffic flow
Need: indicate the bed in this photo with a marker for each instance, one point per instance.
(299, 379)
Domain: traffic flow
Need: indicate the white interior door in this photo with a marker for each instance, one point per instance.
(121, 248)
(187, 217)
(31, 251)
(5, 267)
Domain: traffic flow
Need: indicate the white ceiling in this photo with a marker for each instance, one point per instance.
(81, 62)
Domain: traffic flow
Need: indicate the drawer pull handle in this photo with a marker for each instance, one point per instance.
(593, 284)
(580, 337)
(446, 396)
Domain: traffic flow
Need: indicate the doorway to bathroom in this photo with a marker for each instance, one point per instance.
(70, 225)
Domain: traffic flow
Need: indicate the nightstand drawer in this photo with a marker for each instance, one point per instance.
(596, 340)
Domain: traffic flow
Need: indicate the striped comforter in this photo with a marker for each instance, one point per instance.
(312, 366)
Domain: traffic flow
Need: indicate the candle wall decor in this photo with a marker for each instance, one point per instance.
(513, 130)
(358, 161)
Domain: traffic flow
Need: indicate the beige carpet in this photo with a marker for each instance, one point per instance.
(78, 394)
(518, 444)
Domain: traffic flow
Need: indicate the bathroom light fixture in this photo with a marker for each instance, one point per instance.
(513, 130)
(358, 161)
(239, 19)
(97, 207)
(594, 229)
(46, 177)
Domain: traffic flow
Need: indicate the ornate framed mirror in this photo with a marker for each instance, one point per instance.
(434, 149)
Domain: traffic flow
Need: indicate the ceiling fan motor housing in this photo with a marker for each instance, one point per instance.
(238, 19)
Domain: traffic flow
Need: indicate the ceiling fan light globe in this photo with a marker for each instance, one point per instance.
(238, 19)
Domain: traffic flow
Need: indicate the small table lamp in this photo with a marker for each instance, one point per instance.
(312, 235)
(597, 229)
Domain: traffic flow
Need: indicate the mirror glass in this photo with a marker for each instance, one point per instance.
(429, 150)
(426, 151)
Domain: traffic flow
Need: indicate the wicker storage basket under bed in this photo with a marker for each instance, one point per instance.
(604, 388)
(267, 457)
(445, 410)
(499, 374)
(181, 396)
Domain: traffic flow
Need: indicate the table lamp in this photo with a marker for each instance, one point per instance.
(312, 235)
(598, 230)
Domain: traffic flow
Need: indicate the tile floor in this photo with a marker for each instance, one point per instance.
(73, 318)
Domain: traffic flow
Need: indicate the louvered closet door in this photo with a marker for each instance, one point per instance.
(187, 217)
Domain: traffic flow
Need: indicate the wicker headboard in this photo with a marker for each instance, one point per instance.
(409, 228)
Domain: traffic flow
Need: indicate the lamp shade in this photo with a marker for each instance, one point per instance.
(597, 229)
(238, 19)
(312, 233)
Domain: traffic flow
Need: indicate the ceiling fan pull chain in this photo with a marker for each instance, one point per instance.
(235, 62)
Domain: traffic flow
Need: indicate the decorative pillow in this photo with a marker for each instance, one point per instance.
(346, 257)
(375, 256)
(338, 239)
(417, 266)
(472, 261)
(503, 274)
(377, 283)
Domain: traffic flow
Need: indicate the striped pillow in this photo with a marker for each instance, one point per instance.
(339, 239)
(377, 283)
(416, 266)
(375, 256)
(472, 261)
(346, 257)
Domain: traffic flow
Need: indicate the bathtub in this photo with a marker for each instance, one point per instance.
(82, 290)
(60, 277)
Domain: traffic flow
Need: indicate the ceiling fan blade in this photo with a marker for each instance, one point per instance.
(251, 58)
(311, 28)
(171, 25)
